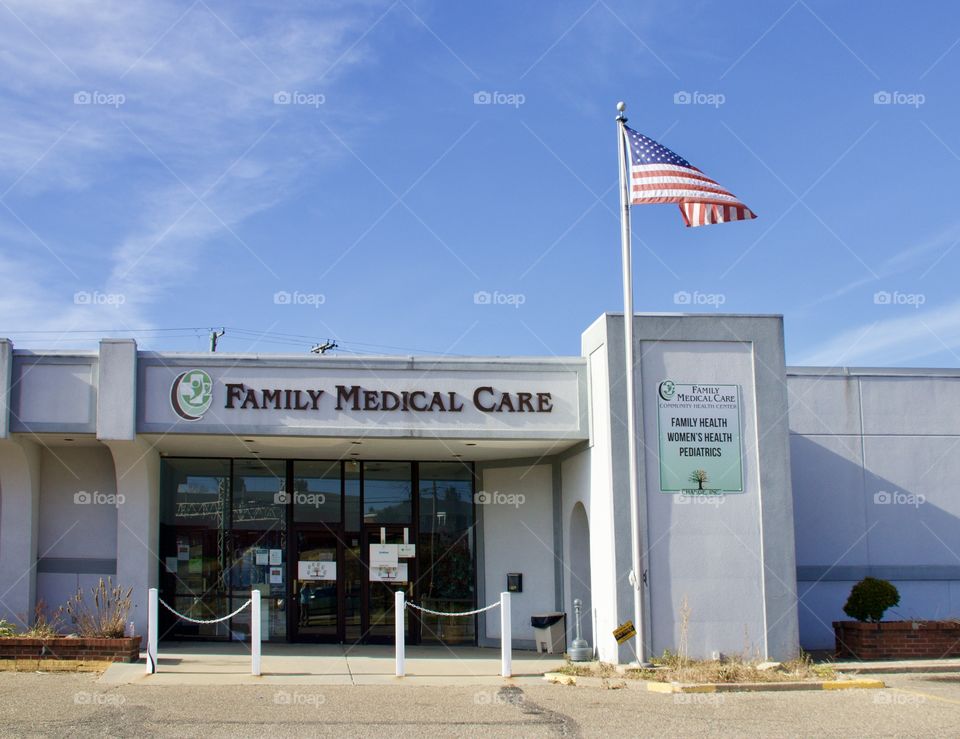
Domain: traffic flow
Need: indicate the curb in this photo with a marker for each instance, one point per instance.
(671, 688)
(53, 665)
(892, 669)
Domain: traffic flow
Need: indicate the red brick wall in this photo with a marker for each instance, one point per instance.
(897, 639)
(107, 650)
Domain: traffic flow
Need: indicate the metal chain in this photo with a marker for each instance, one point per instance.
(463, 613)
(203, 621)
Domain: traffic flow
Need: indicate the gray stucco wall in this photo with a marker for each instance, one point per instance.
(876, 459)
(733, 564)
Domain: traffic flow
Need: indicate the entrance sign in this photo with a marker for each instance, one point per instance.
(332, 398)
(700, 446)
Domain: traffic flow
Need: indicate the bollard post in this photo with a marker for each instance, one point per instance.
(255, 632)
(153, 611)
(506, 637)
(399, 634)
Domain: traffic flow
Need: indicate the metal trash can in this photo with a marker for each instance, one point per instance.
(550, 632)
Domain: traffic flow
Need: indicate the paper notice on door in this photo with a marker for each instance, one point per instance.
(172, 564)
(397, 573)
(183, 551)
(276, 576)
(276, 556)
(406, 551)
(262, 556)
(313, 570)
(383, 555)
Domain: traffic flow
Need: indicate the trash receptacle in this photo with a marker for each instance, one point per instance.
(550, 632)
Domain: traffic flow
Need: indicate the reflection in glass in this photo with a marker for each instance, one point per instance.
(387, 492)
(316, 595)
(316, 492)
(259, 500)
(446, 550)
(351, 494)
(354, 571)
(194, 498)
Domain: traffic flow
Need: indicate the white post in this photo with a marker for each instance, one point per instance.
(636, 579)
(255, 632)
(506, 637)
(152, 629)
(399, 632)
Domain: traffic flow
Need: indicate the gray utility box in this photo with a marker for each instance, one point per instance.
(550, 632)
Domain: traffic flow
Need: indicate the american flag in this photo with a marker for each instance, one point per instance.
(658, 175)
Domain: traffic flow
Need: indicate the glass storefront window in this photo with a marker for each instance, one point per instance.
(259, 494)
(259, 557)
(194, 499)
(387, 492)
(316, 492)
(259, 562)
(224, 532)
(446, 550)
(351, 494)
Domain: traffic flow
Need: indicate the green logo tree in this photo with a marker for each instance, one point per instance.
(699, 477)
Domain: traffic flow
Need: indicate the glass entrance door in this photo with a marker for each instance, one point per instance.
(315, 598)
(382, 583)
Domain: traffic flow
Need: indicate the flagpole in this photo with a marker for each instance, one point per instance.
(636, 574)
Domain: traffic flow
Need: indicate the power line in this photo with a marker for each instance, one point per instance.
(305, 341)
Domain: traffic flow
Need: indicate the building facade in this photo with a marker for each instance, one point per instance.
(327, 483)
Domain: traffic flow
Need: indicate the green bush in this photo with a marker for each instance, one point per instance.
(869, 598)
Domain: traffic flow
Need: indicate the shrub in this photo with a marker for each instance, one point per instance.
(7, 628)
(869, 598)
(107, 617)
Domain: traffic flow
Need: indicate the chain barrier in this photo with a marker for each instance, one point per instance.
(462, 613)
(200, 620)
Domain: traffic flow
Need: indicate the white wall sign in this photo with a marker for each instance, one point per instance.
(270, 399)
(406, 551)
(700, 448)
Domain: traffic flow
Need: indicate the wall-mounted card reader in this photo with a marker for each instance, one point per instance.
(514, 582)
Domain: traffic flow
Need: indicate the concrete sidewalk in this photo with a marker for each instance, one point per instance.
(880, 667)
(328, 664)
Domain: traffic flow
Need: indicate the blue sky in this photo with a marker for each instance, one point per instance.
(362, 171)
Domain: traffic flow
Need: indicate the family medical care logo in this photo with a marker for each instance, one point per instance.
(668, 388)
(191, 394)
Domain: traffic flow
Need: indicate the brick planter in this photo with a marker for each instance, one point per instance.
(897, 639)
(125, 649)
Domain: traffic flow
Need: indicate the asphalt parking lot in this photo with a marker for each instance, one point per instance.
(49, 704)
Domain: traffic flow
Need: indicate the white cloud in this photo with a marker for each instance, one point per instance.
(198, 82)
(942, 242)
(901, 340)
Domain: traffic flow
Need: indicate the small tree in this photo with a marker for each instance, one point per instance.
(699, 477)
(869, 598)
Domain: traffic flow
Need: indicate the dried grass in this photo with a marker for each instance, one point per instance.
(44, 626)
(107, 617)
